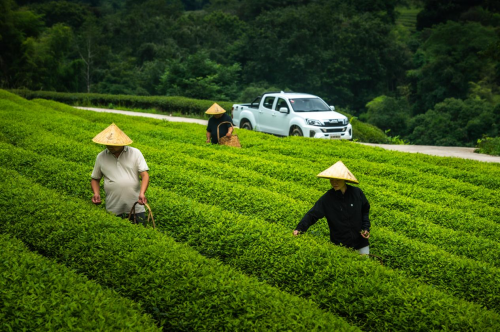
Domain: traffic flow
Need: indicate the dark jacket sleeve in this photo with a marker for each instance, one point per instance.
(229, 119)
(209, 129)
(365, 211)
(312, 216)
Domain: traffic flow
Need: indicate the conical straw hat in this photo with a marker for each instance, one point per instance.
(215, 109)
(338, 171)
(112, 136)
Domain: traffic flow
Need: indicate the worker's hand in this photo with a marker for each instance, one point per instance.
(365, 234)
(228, 135)
(208, 140)
(96, 199)
(296, 232)
(142, 199)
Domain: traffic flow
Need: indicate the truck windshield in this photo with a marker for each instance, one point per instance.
(309, 105)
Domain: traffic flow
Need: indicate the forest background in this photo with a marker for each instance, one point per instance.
(427, 71)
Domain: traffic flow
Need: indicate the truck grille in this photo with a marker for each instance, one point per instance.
(333, 123)
(333, 130)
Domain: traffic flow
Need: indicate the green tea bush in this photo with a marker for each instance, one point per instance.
(181, 289)
(476, 285)
(394, 257)
(410, 213)
(41, 295)
(277, 259)
(489, 145)
(365, 132)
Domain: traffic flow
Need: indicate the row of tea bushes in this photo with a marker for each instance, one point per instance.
(161, 103)
(396, 258)
(440, 198)
(181, 289)
(190, 223)
(40, 295)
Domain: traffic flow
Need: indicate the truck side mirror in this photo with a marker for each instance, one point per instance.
(283, 109)
(332, 107)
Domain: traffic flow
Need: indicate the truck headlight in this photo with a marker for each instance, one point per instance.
(313, 122)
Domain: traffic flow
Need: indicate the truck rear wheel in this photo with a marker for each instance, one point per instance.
(296, 131)
(246, 125)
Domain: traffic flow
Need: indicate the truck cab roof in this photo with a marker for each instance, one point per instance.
(289, 95)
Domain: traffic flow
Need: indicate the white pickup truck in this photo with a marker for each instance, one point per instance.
(292, 114)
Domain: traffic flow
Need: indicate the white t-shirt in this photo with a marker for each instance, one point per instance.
(121, 178)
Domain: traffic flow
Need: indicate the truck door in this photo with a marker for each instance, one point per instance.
(279, 121)
(264, 119)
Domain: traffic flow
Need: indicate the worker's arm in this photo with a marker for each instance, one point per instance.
(96, 188)
(144, 186)
(209, 136)
(310, 218)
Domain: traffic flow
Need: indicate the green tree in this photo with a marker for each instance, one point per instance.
(194, 4)
(15, 27)
(441, 11)
(388, 113)
(69, 13)
(346, 57)
(49, 66)
(217, 32)
(199, 77)
(249, 10)
(140, 24)
(92, 52)
(450, 57)
(120, 76)
(455, 122)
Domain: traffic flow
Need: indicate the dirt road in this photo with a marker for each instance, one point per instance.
(442, 151)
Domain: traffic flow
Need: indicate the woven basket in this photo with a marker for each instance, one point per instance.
(150, 220)
(229, 141)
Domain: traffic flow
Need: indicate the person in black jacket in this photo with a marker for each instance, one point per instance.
(346, 210)
(219, 116)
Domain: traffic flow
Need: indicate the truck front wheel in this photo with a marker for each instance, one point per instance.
(246, 125)
(296, 131)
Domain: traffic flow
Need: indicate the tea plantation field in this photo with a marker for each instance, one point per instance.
(223, 257)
